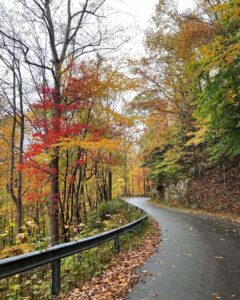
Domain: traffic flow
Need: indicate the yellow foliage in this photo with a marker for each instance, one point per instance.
(113, 117)
(16, 250)
(43, 158)
(108, 145)
(173, 154)
(198, 136)
(5, 138)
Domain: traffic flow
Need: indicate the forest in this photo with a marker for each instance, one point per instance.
(190, 105)
(82, 124)
(65, 144)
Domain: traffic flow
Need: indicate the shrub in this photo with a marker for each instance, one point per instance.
(106, 209)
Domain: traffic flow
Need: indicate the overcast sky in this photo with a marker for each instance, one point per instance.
(141, 11)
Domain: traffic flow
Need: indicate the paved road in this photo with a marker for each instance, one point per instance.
(198, 259)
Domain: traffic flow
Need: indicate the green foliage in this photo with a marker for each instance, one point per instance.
(110, 214)
(193, 80)
(162, 167)
(217, 85)
(108, 208)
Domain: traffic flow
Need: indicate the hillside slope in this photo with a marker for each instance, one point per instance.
(217, 189)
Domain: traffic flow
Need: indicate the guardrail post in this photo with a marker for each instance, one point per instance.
(116, 245)
(139, 228)
(56, 277)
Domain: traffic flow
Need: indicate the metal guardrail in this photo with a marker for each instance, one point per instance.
(21, 263)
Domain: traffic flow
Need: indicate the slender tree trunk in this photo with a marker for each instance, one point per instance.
(20, 156)
(19, 216)
(17, 199)
(54, 164)
(110, 185)
(54, 199)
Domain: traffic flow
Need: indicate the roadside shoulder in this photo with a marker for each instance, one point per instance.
(220, 215)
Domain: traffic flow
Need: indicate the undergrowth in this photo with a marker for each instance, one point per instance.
(36, 284)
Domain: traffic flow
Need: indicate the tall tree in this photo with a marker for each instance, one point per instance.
(166, 102)
(60, 31)
(13, 107)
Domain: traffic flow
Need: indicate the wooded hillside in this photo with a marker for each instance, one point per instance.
(189, 102)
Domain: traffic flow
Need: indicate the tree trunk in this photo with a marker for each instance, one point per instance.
(54, 164)
(20, 156)
(110, 185)
(17, 198)
(54, 199)
(19, 216)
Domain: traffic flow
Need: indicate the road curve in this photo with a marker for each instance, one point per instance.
(198, 258)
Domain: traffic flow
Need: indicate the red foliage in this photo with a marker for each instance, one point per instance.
(81, 161)
(55, 120)
(35, 197)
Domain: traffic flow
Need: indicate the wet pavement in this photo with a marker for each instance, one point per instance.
(198, 258)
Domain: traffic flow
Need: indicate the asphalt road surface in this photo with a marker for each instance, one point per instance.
(198, 258)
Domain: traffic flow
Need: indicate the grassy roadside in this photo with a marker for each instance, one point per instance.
(173, 205)
(80, 268)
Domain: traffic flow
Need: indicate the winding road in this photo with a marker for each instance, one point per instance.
(198, 258)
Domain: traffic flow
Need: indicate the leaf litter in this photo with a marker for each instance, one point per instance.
(116, 282)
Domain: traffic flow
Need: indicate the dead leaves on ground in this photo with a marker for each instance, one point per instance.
(116, 282)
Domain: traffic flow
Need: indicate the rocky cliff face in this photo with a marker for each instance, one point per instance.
(175, 191)
(215, 189)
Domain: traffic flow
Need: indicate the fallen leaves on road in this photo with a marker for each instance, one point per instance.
(116, 282)
(216, 296)
(146, 273)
